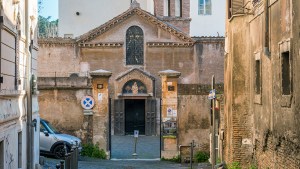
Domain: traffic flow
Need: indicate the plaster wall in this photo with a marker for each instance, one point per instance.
(194, 121)
(102, 11)
(13, 103)
(208, 25)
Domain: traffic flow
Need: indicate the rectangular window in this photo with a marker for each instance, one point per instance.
(167, 8)
(1, 155)
(204, 7)
(20, 149)
(286, 73)
(257, 77)
(178, 8)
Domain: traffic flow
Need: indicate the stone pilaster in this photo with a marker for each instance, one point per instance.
(101, 110)
(169, 79)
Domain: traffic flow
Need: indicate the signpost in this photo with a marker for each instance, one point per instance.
(87, 102)
(212, 96)
(135, 135)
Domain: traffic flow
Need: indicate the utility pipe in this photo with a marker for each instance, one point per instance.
(267, 29)
(28, 87)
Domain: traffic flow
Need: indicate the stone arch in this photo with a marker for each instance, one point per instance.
(134, 75)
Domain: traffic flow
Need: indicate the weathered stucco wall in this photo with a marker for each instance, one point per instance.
(62, 108)
(194, 121)
(262, 127)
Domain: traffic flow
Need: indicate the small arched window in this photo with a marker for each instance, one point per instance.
(134, 46)
(134, 87)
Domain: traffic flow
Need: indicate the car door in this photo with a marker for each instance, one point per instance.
(46, 141)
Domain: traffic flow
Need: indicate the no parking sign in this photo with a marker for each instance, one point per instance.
(87, 102)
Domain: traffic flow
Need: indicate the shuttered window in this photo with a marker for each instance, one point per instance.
(235, 7)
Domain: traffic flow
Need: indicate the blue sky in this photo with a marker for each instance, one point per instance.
(50, 8)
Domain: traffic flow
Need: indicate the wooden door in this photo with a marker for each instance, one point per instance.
(150, 117)
(119, 117)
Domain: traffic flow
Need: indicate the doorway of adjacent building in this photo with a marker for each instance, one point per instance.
(134, 116)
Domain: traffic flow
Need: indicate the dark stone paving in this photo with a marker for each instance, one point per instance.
(90, 163)
(122, 147)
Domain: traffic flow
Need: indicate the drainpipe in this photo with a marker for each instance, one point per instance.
(267, 29)
(28, 87)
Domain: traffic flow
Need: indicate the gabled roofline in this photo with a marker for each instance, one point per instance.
(92, 34)
(137, 69)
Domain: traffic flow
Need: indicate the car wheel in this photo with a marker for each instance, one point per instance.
(59, 151)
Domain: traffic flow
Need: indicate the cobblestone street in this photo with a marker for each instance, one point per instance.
(90, 163)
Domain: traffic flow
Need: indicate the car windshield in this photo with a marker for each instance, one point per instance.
(50, 128)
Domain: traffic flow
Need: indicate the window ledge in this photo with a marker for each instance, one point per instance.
(257, 99)
(11, 93)
(286, 100)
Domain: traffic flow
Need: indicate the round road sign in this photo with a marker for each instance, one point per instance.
(87, 102)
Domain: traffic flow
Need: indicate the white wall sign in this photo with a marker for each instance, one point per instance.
(100, 96)
(87, 102)
(136, 133)
(174, 113)
(169, 112)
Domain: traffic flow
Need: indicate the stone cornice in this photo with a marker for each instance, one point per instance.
(168, 18)
(101, 45)
(56, 41)
(122, 17)
(169, 73)
(209, 39)
(170, 44)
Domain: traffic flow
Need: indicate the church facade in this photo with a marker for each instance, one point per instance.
(135, 72)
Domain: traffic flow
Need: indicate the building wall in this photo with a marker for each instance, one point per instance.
(88, 19)
(14, 41)
(208, 25)
(192, 61)
(261, 128)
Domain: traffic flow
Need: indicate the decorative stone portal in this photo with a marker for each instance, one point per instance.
(135, 108)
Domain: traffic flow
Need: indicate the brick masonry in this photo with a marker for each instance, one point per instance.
(262, 129)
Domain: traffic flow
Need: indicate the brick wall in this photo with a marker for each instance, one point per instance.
(272, 152)
(182, 23)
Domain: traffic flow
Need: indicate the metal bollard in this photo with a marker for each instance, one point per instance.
(192, 154)
(62, 165)
(67, 161)
(76, 153)
(72, 158)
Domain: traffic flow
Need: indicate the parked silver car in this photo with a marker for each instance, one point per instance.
(52, 141)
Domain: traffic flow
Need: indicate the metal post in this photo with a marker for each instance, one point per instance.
(28, 87)
(57, 166)
(72, 158)
(76, 152)
(62, 165)
(192, 154)
(213, 133)
(67, 161)
(134, 153)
